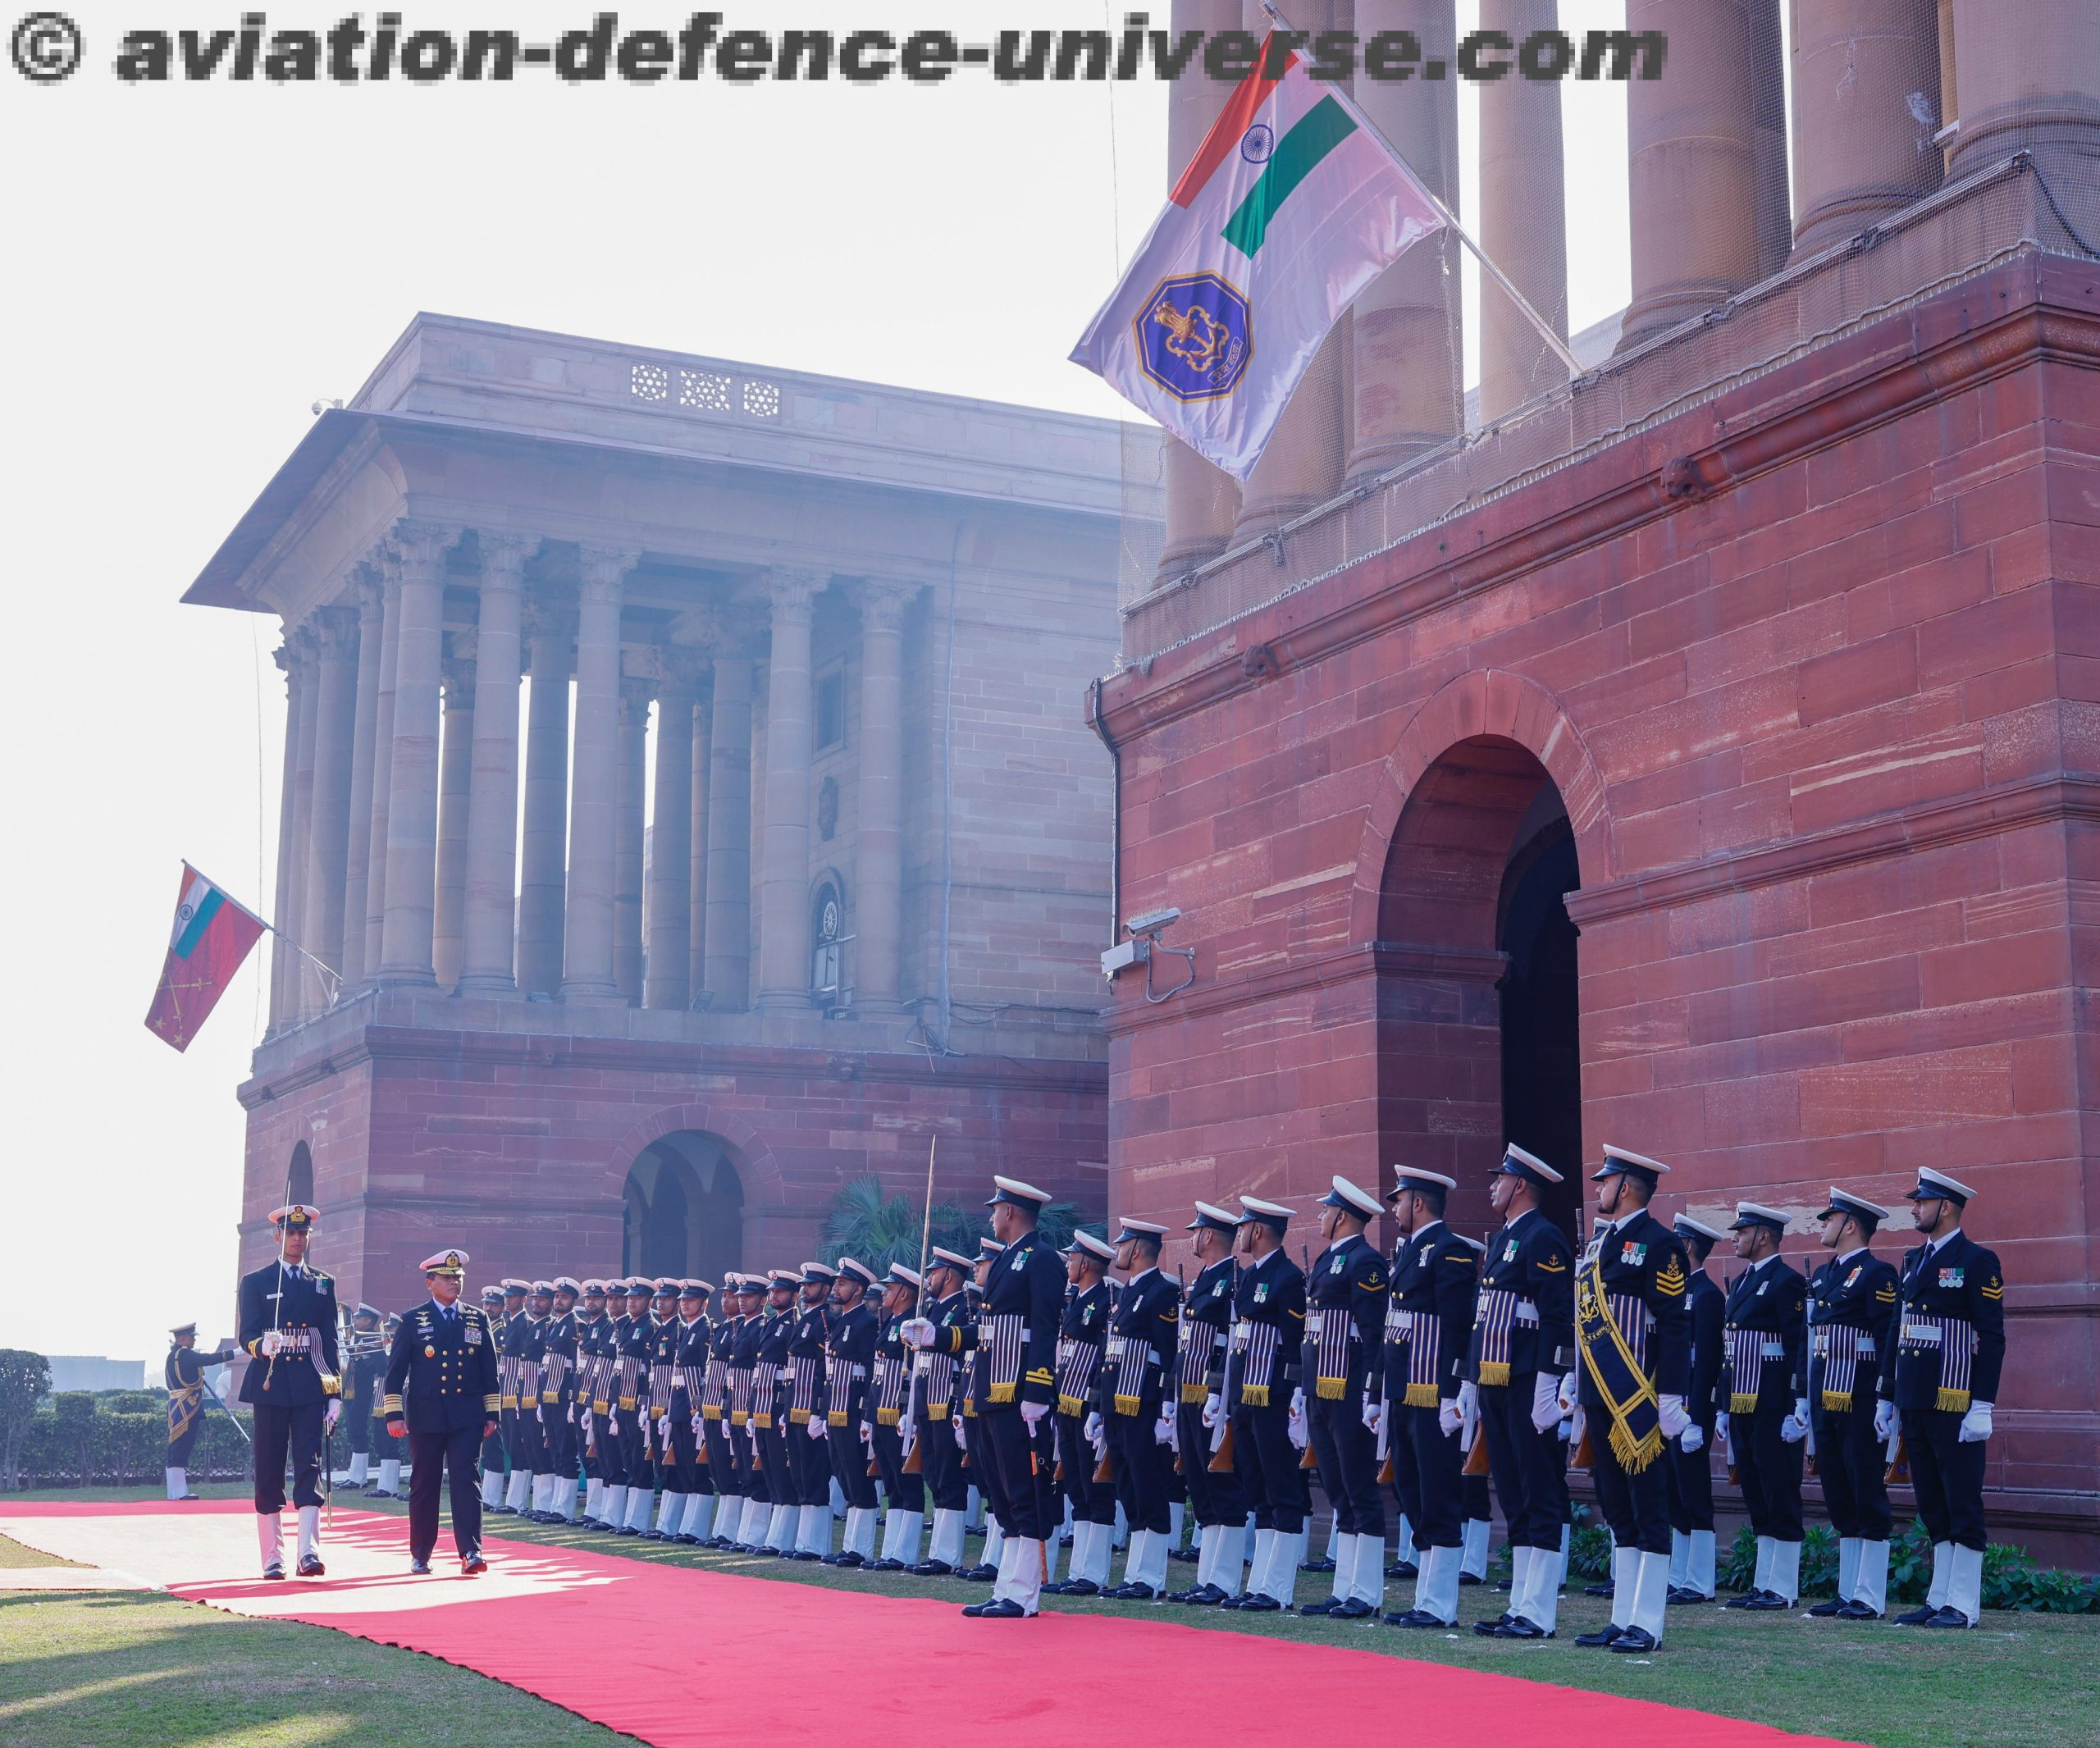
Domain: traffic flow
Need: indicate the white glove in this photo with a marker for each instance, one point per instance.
(1975, 1424)
(1468, 1399)
(699, 1431)
(613, 1425)
(961, 1439)
(907, 1440)
(1721, 1427)
(1163, 1432)
(1694, 1439)
(1033, 1413)
(1374, 1412)
(1213, 1409)
(1091, 1431)
(818, 1428)
(272, 1343)
(334, 1412)
(1572, 1428)
(1295, 1426)
(1794, 1428)
(1449, 1416)
(867, 1433)
(1884, 1420)
(1545, 1403)
(1669, 1411)
(540, 1413)
(918, 1331)
(1567, 1395)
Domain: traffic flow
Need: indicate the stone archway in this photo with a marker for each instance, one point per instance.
(684, 1207)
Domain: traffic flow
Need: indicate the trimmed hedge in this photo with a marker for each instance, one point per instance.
(76, 1441)
(2011, 1580)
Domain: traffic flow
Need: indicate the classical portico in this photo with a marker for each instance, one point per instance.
(650, 727)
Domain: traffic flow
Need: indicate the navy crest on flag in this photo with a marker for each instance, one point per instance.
(1195, 335)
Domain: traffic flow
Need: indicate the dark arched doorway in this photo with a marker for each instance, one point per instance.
(1477, 1016)
(685, 1208)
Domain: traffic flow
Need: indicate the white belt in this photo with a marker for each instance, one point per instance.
(1926, 1334)
(1527, 1312)
(1774, 1350)
(1313, 1320)
(1242, 1331)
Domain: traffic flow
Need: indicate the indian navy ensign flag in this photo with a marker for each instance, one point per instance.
(1292, 206)
(213, 936)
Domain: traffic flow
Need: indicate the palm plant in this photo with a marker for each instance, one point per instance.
(881, 1229)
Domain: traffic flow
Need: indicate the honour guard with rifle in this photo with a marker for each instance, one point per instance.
(1215, 1493)
(728, 1453)
(1266, 1403)
(554, 1482)
(809, 1461)
(1634, 1338)
(937, 1369)
(288, 1322)
(849, 1358)
(516, 1337)
(1436, 1277)
(986, 1522)
(1347, 1295)
(1144, 1334)
(364, 1363)
(185, 1378)
(775, 1330)
(656, 1452)
(1851, 1313)
(1522, 1343)
(893, 1434)
(1081, 1438)
(492, 1456)
(1949, 1352)
(1768, 1416)
(637, 1349)
(443, 1363)
(688, 1492)
(1691, 1459)
(385, 1446)
(748, 1532)
(594, 1396)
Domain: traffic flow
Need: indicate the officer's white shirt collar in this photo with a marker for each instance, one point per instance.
(1857, 1250)
(1420, 1233)
(1142, 1274)
(1934, 1247)
(1760, 1262)
(1263, 1262)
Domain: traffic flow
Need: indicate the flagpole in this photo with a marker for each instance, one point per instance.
(334, 985)
(1487, 265)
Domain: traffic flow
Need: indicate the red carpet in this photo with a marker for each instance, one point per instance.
(677, 1656)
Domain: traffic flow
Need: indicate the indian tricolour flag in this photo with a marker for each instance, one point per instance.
(1292, 205)
(213, 936)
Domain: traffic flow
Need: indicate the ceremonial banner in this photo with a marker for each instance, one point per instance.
(1291, 207)
(213, 936)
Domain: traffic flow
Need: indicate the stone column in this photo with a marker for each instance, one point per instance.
(594, 795)
(636, 695)
(357, 874)
(543, 882)
(879, 908)
(486, 960)
(1692, 137)
(1524, 222)
(2027, 79)
(299, 975)
(283, 985)
(406, 941)
(454, 782)
(1866, 105)
(334, 631)
(669, 959)
(382, 764)
(784, 948)
(703, 742)
(729, 825)
(1406, 390)
(1201, 500)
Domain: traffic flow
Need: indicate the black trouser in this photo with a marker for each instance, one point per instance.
(1530, 1469)
(945, 1482)
(1947, 1475)
(1407, 1467)
(358, 1429)
(1141, 1474)
(434, 1455)
(778, 1472)
(1768, 1468)
(684, 1473)
(808, 1463)
(1854, 1472)
(1636, 1505)
(904, 1492)
(1092, 1501)
(609, 1460)
(849, 1462)
(1266, 1462)
(1440, 1483)
(1214, 1497)
(1479, 1507)
(385, 1446)
(559, 1450)
(1014, 1468)
(1691, 1484)
(1347, 1451)
(179, 1447)
(293, 1431)
(725, 1462)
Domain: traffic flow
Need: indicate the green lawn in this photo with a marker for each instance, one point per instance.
(2020, 1681)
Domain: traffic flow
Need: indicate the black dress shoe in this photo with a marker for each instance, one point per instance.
(1326, 1605)
(1823, 1611)
(1517, 1627)
(1137, 1591)
(1951, 1617)
(1422, 1620)
(419, 1568)
(1637, 1640)
(1319, 1565)
(1599, 1590)
(1856, 1610)
(472, 1566)
(1597, 1640)
(1488, 1629)
(1352, 1608)
(847, 1558)
(1767, 1602)
(310, 1566)
(1255, 1603)
(1679, 1595)
(1474, 1578)
(980, 1574)
(1403, 1569)
(1185, 1554)
(274, 1569)
(930, 1569)
(1916, 1616)
(807, 1555)
(1078, 1587)
(1206, 1596)
(1743, 1601)
(1003, 1609)
(885, 1564)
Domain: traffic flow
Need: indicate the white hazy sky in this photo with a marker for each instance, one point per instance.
(191, 267)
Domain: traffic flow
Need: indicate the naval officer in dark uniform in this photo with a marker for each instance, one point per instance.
(940, 1363)
(288, 1319)
(1143, 1331)
(444, 1360)
(1767, 1315)
(185, 1378)
(1262, 1392)
(849, 1361)
(1215, 1496)
(1345, 1329)
(1081, 1441)
(1691, 1453)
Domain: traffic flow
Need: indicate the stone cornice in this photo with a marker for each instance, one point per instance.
(1326, 970)
(1758, 428)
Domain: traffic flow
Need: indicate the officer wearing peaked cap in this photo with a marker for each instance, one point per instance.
(443, 1363)
(1344, 1328)
(514, 1336)
(1949, 1355)
(938, 1371)
(809, 1423)
(849, 1360)
(770, 1429)
(1523, 1343)
(1143, 1332)
(1634, 1338)
(1263, 1374)
(185, 1378)
(287, 1325)
(717, 1527)
(891, 1434)
(554, 1482)
(364, 1364)
(1215, 1495)
(1768, 1421)
(1691, 1459)
(594, 1387)
(1082, 1440)
(1851, 1311)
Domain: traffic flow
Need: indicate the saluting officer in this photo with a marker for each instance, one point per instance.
(936, 1372)
(1767, 1324)
(1144, 1329)
(893, 1435)
(1345, 1323)
(1851, 1312)
(288, 1318)
(1080, 1437)
(444, 1360)
(1436, 1275)
(1215, 1496)
(185, 1378)
(1266, 1404)
(1691, 1459)
(1633, 1338)
(1949, 1356)
(1522, 1343)
(849, 1359)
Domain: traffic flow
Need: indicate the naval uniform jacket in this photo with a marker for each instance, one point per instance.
(1436, 1278)
(1524, 1319)
(1144, 1331)
(776, 1330)
(1269, 1333)
(306, 1368)
(1642, 1262)
(1851, 1308)
(1345, 1321)
(593, 1378)
(849, 1362)
(558, 1354)
(1950, 1348)
(1206, 1332)
(1017, 1327)
(637, 1345)
(690, 1344)
(938, 1372)
(445, 1366)
(1705, 1395)
(1767, 1321)
(1082, 1338)
(810, 1325)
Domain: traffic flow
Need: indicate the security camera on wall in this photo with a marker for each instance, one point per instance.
(1153, 921)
